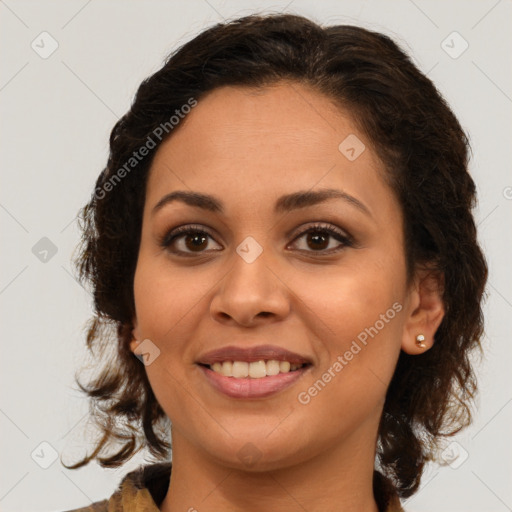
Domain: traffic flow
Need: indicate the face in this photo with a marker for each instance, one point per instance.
(272, 268)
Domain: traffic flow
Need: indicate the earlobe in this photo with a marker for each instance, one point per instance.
(426, 314)
(135, 337)
(133, 345)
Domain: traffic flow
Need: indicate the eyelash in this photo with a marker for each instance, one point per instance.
(168, 239)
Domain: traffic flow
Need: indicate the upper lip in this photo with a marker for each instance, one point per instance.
(250, 354)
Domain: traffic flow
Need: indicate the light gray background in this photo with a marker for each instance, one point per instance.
(56, 115)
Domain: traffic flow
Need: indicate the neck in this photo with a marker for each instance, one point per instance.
(338, 479)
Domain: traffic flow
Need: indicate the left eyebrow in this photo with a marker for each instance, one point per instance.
(306, 198)
(286, 203)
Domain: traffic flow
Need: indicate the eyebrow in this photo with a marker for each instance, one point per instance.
(286, 203)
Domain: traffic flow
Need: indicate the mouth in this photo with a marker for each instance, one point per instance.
(254, 369)
(252, 372)
(247, 387)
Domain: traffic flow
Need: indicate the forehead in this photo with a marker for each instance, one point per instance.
(256, 143)
(278, 120)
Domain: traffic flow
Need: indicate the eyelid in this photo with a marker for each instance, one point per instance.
(320, 226)
(344, 238)
(177, 231)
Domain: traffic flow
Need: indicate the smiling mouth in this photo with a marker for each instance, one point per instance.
(249, 379)
(254, 369)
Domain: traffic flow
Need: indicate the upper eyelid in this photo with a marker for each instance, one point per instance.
(295, 233)
(319, 225)
(182, 230)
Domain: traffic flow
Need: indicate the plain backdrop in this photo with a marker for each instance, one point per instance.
(57, 110)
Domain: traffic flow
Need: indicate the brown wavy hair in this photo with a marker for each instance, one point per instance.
(425, 153)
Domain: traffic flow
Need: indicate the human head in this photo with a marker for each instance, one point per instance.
(425, 154)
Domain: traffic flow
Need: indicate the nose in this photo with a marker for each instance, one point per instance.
(251, 292)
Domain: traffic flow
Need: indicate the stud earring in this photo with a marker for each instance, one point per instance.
(420, 339)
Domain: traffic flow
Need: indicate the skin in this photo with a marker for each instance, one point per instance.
(249, 147)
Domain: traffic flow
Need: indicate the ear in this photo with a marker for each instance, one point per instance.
(135, 336)
(426, 311)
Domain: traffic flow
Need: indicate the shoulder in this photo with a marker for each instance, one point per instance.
(99, 506)
(145, 487)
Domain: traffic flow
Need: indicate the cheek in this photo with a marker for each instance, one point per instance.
(356, 319)
(355, 328)
(165, 299)
(165, 304)
(349, 299)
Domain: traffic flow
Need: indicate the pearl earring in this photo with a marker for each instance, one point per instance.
(420, 341)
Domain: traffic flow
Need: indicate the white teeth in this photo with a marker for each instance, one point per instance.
(255, 369)
(284, 366)
(227, 369)
(240, 369)
(272, 367)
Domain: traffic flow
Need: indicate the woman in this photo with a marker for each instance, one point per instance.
(283, 240)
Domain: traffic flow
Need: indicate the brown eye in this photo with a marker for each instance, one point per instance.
(196, 241)
(318, 238)
(187, 240)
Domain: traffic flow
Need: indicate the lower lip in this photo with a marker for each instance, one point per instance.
(252, 388)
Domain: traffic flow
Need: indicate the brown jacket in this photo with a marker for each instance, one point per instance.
(144, 490)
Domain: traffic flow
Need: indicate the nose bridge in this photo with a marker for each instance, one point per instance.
(250, 286)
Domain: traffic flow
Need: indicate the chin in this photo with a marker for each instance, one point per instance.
(255, 451)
